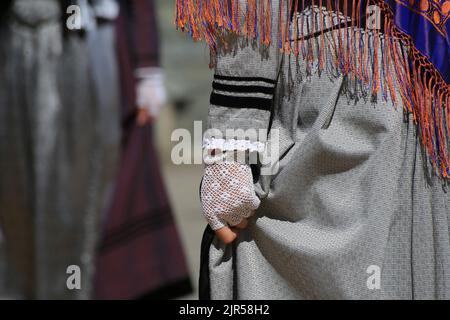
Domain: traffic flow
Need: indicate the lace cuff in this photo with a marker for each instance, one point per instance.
(233, 145)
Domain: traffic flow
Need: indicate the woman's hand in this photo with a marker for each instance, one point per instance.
(228, 235)
(228, 198)
(143, 117)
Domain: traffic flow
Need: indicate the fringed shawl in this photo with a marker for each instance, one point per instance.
(414, 59)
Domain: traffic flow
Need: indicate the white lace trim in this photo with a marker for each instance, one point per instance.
(233, 144)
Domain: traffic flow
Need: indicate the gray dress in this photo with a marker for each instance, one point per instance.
(58, 141)
(353, 212)
(30, 110)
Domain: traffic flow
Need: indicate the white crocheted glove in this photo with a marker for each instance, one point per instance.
(150, 90)
(227, 194)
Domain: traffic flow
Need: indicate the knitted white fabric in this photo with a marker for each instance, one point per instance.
(233, 144)
(227, 194)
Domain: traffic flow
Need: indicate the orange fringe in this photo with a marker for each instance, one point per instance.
(423, 92)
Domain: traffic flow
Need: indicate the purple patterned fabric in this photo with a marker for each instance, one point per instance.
(427, 23)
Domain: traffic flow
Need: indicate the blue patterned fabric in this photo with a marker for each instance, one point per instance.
(427, 23)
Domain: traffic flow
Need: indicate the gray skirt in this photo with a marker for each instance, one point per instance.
(353, 213)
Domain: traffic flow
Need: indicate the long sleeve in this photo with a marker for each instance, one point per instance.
(240, 109)
(139, 33)
(145, 39)
(142, 33)
(243, 88)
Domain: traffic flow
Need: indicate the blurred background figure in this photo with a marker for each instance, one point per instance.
(59, 140)
(80, 182)
(89, 85)
(140, 255)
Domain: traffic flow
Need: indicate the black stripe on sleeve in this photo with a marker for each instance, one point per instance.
(240, 102)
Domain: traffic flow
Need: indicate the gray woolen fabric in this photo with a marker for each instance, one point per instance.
(58, 145)
(354, 194)
(31, 107)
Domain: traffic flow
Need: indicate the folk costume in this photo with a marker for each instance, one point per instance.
(357, 94)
